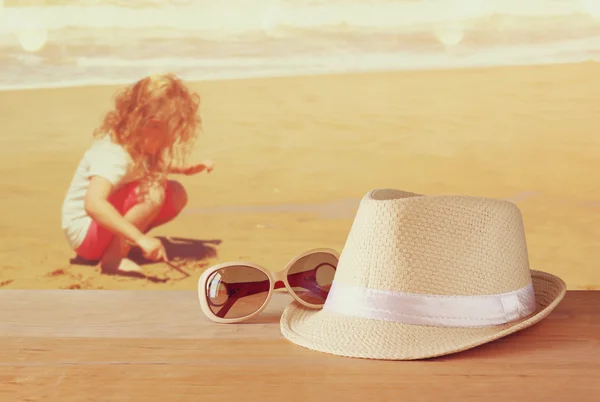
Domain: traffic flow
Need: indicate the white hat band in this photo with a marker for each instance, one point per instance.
(418, 309)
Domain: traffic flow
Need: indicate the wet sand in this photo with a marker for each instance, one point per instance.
(294, 155)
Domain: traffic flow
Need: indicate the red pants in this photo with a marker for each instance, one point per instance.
(98, 238)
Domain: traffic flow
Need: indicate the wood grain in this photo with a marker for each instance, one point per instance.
(157, 345)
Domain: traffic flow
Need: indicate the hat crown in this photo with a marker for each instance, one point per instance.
(435, 245)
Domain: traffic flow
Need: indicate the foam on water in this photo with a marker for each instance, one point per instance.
(206, 69)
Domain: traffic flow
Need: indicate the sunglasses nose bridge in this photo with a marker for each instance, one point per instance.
(279, 276)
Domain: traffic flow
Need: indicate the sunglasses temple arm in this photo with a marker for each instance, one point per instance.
(227, 306)
(245, 289)
(296, 280)
(312, 288)
(230, 301)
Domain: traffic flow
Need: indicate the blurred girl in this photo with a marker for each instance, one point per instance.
(120, 189)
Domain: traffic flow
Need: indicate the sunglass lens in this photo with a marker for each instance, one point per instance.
(236, 291)
(311, 277)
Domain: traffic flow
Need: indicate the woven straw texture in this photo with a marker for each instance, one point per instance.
(436, 245)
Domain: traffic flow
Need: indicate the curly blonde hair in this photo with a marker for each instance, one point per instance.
(159, 97)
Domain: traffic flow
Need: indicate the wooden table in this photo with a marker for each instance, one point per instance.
(156, 345)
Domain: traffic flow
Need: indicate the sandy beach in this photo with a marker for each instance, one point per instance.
(294, 155)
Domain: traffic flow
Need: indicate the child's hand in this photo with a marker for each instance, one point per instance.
(152, 248)
(199, 167)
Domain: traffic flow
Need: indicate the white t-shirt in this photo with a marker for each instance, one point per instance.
(106, 159)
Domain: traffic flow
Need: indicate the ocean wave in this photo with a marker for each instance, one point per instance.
(104, 70)
(234, 17)
(563, 51)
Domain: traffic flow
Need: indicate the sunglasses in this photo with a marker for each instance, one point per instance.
(237, 291)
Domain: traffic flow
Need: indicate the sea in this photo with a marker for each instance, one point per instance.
(92, 42)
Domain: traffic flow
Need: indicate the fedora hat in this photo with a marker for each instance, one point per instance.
(425, 276)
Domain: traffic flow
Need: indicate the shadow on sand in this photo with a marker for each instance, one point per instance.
(184, 255)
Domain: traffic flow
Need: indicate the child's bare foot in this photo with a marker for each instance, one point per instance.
(128, 265)
(125, 265)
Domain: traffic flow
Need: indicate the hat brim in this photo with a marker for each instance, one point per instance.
(342, 335)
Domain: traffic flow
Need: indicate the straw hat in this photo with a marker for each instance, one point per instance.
(425, 276)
